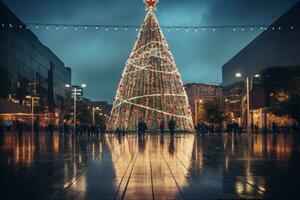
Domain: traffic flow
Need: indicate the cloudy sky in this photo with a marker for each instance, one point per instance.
(97, 57)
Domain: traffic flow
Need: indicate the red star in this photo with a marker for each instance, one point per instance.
(151, 4)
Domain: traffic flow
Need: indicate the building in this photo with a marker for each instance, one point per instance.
(104, 107)
(28, 68)
(100, 111)
(275, 49)
(197, 94)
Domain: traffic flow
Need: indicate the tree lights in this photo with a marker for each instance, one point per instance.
(150, 88)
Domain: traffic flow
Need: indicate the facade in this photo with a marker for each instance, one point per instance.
(197, 94)
(28, 68)
(276, 49)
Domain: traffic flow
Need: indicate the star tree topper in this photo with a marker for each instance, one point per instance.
(150, 4)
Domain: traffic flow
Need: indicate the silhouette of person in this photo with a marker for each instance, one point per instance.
(162, 127)
(172, 125)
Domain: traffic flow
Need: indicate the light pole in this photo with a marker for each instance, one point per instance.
(94, 109)
(32, 98)
(196, 109)
(239, 75)
(74, 88)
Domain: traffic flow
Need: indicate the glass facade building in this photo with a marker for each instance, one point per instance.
(27, 67)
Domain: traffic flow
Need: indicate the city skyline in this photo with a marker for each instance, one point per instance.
(103, 67)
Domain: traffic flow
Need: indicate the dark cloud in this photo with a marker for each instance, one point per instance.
(98, 57)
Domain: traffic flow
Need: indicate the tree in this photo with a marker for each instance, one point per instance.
(288, 107)
(150, 88)
(214, 111)
(284, 88)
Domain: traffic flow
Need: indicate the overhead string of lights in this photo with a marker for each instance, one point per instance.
(111, 27)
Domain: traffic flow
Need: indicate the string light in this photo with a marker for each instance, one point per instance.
(49, 26)
(129, 101)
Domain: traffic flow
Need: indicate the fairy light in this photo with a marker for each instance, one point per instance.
(134, 100)
(186, 28)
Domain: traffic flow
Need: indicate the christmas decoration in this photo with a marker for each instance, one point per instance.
(150, 89)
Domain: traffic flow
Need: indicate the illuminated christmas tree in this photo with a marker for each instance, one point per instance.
(150, 88)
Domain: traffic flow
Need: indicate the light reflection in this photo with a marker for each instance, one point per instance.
(208, 159)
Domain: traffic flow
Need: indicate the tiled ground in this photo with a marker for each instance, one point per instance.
(183, 167)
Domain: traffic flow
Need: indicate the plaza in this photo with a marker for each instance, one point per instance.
(186, 166)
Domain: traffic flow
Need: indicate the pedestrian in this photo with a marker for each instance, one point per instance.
(140, 127)
(19, 127)
(144, 128)
(162, 127)
(172, 125)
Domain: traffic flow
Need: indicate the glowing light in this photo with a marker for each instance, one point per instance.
(238, 75)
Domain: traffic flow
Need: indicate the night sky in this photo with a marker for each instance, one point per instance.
(97, 57)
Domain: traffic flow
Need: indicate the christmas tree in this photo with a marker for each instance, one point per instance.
(150, 89)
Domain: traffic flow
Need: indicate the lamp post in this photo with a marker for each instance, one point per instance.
(196, 109)
(32, 98)
(94, 109)
(239, 75)
(74, 88)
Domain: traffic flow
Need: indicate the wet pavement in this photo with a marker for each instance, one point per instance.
(186, 166)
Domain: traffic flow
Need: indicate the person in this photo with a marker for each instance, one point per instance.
(235, 128)
(66, 128)
(140, 125)
(144, 128)
(118, 131)
(199, 128)
(256, 128)
(162, 127)
(172, 125)
(2, 127)
(19, 127)
(229, 129)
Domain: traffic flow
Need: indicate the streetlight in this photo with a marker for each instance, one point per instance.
(94, 109)
(75, 87)
(239, 75)
(32, 98)
(196, 109)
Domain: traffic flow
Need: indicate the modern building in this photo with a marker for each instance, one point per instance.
(276, 47)
(28, 68)
(197, 94)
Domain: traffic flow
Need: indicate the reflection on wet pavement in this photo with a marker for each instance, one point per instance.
(57, 166)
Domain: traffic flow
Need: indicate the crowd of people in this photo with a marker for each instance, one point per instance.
(20, 127)
(200, 128)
